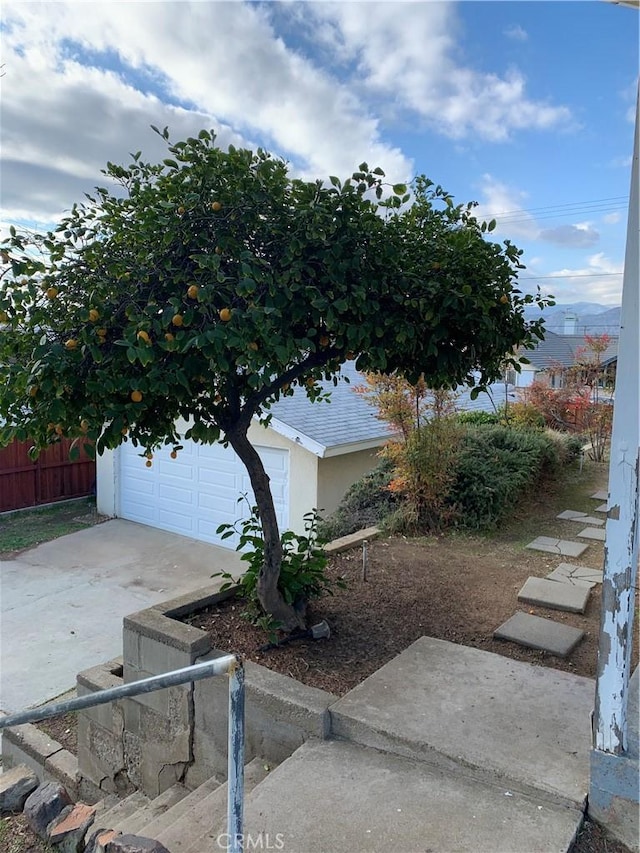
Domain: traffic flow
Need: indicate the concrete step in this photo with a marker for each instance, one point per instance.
(198, 828)
(135, 823)
(105, 805)
(121, 810)
(512, 724)
(163, 821)
(340, 797)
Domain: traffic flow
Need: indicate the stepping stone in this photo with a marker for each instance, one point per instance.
(571, 514)
(602, 508)
(562, 547)
(588, 519)
(593, 533)
(602, 495)
(557, 596)
(536, 633)
(576, 575)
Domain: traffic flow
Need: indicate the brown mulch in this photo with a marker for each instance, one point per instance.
(63, 729)
(454, 588)
(17, 837)
(593, 838)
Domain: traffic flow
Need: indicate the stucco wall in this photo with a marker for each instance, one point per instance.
(303, 476)
(337, 473)
(303, 473)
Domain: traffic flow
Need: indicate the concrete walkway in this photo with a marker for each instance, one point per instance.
(446, 748)
(62, 603)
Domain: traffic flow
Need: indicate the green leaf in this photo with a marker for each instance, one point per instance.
(399, 189)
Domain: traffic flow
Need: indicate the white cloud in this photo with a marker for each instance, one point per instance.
(600, 280)
(506, 205)
(581, 236)
(621, 162)
(63, 116)
(516, 33)
(406, 51)
(611, 218)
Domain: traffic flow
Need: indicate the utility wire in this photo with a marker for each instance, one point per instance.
(569, 275)
(619, 199)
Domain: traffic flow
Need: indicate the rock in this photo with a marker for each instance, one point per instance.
(99, 839)
(45, 804)
(67, 831)
(15, 786)
(134, 844)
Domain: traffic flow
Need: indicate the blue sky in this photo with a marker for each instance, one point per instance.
(526, 107)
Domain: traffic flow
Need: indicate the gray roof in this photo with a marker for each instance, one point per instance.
(346, 419)
(562, 349)
(348, 422)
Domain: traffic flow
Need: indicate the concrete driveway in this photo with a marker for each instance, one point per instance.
(62, 603)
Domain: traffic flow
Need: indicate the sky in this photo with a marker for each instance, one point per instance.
(525, 107)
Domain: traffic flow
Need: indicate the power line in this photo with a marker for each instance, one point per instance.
(551, 207)
(569, 275)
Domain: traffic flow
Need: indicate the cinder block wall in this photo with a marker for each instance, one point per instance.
(180, 733)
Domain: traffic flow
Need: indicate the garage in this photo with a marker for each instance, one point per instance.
(196, 492)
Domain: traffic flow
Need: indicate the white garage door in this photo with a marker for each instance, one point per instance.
(198, 491)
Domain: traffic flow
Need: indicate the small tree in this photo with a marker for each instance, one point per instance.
(576, 406)
(211, 284)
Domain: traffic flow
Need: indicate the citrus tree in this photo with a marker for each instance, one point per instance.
(209, 285)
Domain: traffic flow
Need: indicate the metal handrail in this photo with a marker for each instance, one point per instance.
(230, 665)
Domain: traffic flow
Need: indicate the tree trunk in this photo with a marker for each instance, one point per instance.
(267, 588)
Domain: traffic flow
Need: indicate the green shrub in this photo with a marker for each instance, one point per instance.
(477, 418)
(302, 573)
(365, 504)
(568, 445)
(522, 416)
(496, 465)
(470, 476)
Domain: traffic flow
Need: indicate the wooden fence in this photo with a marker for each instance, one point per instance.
(53, 477)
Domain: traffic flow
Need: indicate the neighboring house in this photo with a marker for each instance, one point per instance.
(558, 352)
(312, 453)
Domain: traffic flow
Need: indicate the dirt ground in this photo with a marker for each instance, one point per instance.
(454, 587)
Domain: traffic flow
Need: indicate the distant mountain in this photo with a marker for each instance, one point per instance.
(591, 318)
